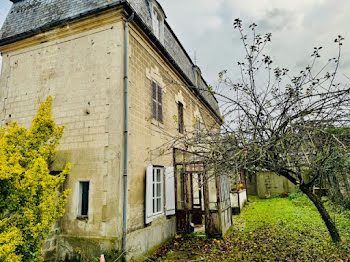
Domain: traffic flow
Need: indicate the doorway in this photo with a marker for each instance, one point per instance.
(200, 200)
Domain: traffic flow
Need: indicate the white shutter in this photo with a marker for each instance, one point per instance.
(148, 195)
(169, 191)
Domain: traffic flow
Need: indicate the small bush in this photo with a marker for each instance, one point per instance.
(300, 199)
(295, 195)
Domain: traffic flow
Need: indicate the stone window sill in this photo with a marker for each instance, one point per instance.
(157, 123)
(83, 217)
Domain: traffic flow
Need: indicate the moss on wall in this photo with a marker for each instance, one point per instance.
(269, 184)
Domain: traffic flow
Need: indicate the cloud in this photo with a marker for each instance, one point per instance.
(4, 8)
(205, 27)
(259, 8)
(277, 20)
(192, 13)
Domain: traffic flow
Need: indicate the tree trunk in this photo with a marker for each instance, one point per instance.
(333, 231)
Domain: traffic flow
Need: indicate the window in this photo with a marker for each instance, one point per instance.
(198, 127)
(83, 209)
(158, 18)
(156, 23)
(180, 109)
(157, 197)
(55, 173)
(154, 198)
(157, 107)
(197, 75)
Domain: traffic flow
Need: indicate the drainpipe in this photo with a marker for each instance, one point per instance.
(126, 131)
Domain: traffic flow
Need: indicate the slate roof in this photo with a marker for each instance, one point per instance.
(29, 17)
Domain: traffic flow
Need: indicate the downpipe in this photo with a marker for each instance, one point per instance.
(126, 132)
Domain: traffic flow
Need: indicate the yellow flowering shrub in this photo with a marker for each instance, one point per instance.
(30, 200)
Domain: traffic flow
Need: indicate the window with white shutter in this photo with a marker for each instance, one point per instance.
(154, 193)
(169, 191)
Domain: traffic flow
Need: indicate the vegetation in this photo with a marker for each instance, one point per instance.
(280, 122)
(336, 177)
(30, 200)
(278, 229)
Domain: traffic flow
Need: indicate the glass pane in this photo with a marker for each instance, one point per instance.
(158, 190)
(179, 189)
(154, 190)
(159, 95)
(160, 113)
(154, 205)
(154, 91)
(196, 189)
(155, 23)
(158, 175)
(154, 109)
(212, 191)
(198, 125)
(84, 198)
(180, 117)
(158, 205)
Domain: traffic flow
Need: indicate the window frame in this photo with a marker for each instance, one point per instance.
(180, 116)
(157, 101)
(80, 214)
(156, 23)
(197, 76)
(158, 18)
(160, 196)
(198, 125)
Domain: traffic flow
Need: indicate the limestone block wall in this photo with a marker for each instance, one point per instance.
(82, 69)
(147, 137)
(269, 185)
(81, 66)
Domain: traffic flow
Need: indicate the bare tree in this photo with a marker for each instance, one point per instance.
(277, 122)
(284, 123)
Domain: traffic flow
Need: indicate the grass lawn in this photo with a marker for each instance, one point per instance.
(278, 229)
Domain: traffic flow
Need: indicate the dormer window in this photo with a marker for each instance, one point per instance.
(156, 23)
(158, 17)
(197, 76)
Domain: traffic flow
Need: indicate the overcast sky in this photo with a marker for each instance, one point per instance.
(205, 27)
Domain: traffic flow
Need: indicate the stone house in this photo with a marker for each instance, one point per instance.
(122, 85)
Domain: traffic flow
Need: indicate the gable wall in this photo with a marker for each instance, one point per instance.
(147, 137)
(82, 68)
(83, 72)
